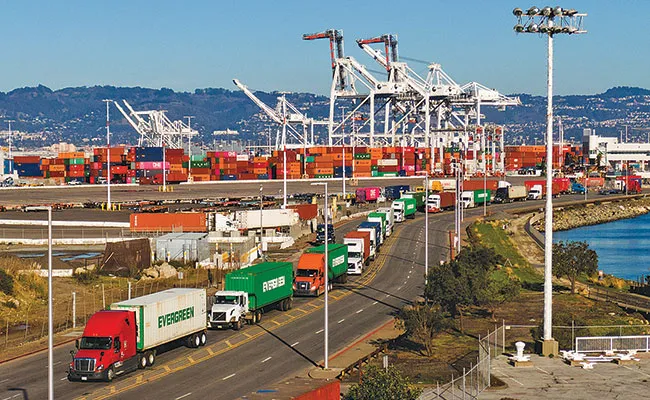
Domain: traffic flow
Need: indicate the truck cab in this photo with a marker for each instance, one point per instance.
(501, 196)
(107, 347)
(577, 187)
(355, 255)
(310, 275)
(535, 192)
(467, 198)
(398, 210)
(229, 309)
(320, 234)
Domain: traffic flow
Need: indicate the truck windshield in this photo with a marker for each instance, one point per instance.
(95, 343)
(225, 299)
(354, 255)
(306, 272)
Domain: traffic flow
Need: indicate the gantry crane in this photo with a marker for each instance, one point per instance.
(156, 129)
(297, 130)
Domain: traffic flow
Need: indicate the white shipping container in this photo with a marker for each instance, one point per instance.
(250, 219)
(387, 162)
(242, 157)
(166, 316)
(447, 184)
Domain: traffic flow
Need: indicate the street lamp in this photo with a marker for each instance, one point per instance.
(10, 142)
(343, 143)
(549, 21)
(325, 213)
(426, 225)
(261, 222)
(108, 156)
(50, 317)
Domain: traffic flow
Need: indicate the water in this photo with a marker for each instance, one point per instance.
(622, 246)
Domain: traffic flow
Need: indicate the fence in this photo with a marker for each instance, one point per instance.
(29, 324)
(607, 344)
(473, 381)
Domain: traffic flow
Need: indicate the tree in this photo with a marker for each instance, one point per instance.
(572, 259)
(380, 384)
(498, 291)
(422, 323)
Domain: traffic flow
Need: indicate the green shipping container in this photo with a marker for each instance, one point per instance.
(310, 159)
(321, 176)
(409, 205)
(419, 198)
(337, 260)
(362, 156)
(197, 157)
(265, 283)
(388, 174)
(73, 161)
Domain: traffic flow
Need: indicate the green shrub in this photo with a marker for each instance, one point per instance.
(86, 277)
(6, 283)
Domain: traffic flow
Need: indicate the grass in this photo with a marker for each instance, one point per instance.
(492, 234)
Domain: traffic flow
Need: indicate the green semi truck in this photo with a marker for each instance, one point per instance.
(404, 208)
(249, 292)
(310, 273)
(419, 197)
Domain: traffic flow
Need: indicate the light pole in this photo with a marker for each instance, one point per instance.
(11, 141)
(189, 146)
(284, 152)
(325, 214)
(261, 222)
(549, 21)
(108, 156)
(426, 226)
(343, 143)
(50, 317)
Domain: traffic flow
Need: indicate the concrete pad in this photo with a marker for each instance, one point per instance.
(551, 378)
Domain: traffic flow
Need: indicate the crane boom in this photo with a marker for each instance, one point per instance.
(335, 37)
(268, 110)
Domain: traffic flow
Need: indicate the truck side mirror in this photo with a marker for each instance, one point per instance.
(76, 344)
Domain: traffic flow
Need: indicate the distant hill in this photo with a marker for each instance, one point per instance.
(77, 115)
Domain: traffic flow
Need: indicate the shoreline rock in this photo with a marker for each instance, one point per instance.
(595, 214)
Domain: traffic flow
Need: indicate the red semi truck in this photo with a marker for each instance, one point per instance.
(127, 337)
(537, 189)
(442, 201)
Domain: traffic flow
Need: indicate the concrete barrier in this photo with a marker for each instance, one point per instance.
(56, 242)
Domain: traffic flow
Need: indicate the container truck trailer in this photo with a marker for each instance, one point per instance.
(249, 292)
(537, 189)
(381, 218)
(419, 199)
(395, 192)
(442, 201)
(310, 273)
(128, 335)
(474, 198)
(358, 243)
(372, 232)
(367, 194)
(404, 208)
(510, 194)
(368, 225)
(390, 219)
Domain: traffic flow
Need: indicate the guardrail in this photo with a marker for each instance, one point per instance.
(360, 362)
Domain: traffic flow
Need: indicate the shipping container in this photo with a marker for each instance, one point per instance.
(168, 222)
(166, 316)
(265, 283)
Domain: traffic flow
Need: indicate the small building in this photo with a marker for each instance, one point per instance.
(184, 247)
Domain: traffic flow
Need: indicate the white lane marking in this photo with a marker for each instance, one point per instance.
(387, 295)
(295, 344)
(319, 331)
(64, 378)
(228, 377)
(400, 288)
(266, 359)
(341, 321)
(183, 396)
(544, 371)
(4, 380)
(642, 373)
(359, 311)
(374, 302)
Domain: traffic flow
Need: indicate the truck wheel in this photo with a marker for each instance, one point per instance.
(344, 278)
(259, 316)
(110, 374)
(151, 358)
(204, 338)
(196, 341)
(282, 305)
(142, 362)
(237, 325)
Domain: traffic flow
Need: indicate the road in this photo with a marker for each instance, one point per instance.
(235, 363)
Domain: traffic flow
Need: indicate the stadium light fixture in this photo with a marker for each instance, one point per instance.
(549, 22)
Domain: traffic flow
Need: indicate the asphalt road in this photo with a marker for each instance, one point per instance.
(236, 363)
(207, 190)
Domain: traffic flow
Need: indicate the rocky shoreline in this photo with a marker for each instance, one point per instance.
(595, 213)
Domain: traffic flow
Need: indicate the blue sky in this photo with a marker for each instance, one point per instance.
(185, 45)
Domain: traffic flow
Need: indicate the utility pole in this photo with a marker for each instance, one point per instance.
(343, 143)
(11, 141)
(189, 146)
(108, 156)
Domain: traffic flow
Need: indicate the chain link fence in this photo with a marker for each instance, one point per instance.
(72, 310)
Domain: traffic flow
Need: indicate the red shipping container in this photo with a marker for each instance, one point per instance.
(305, 211)
(477, 184)
(168, 222)
(119, 169)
